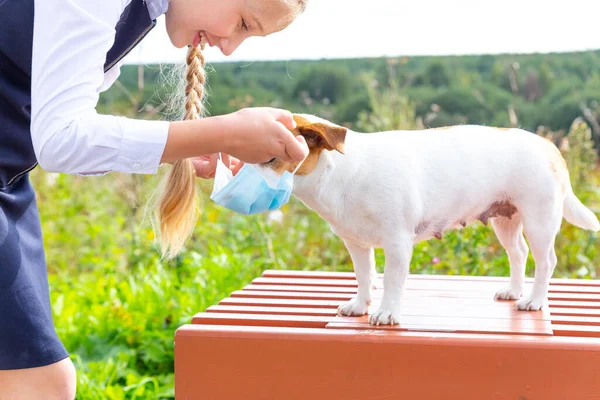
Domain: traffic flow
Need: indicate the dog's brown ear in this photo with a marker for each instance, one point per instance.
(322, 135)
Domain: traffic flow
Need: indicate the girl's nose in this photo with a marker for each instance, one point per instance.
(229, 45)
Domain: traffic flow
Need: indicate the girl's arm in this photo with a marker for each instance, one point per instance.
(70, 42)
(252, 135)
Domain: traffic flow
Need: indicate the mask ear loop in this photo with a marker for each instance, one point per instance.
(298, 167)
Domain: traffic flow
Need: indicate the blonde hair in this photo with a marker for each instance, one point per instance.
(177, 209)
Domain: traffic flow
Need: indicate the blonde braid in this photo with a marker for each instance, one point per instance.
(195, 78)
(178, 206)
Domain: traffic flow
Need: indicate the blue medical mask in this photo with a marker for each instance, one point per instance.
(249, 192)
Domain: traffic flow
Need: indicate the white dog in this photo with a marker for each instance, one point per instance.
(394, 189)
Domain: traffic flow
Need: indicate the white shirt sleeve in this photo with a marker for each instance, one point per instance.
(70, 42)
(111, 76)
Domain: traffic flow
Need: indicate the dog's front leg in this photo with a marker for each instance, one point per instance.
(363, 259)
(397, 264)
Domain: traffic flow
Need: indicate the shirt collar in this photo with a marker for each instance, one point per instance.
(156, 8)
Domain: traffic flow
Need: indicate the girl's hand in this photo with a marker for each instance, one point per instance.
(257, 135)
(206, 166)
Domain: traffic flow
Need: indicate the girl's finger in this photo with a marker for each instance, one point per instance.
(226, 158)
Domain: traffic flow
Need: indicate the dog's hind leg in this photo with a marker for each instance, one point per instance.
(541, 227)
(510, 235)
(398, 254)
(363, 259)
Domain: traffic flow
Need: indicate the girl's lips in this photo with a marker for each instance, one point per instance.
(197, 39)
(201, 38)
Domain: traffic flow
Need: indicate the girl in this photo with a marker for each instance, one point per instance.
(55, 57)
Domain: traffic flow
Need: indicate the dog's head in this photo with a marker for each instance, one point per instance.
(319, 135)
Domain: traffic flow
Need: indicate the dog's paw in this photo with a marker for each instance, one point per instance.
(355, 307)
(385, 316)
(511, 292)
(529, 304)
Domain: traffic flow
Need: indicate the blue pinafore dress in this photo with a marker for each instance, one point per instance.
(27, 335)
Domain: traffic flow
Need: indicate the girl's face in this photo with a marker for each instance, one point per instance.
(225, 23)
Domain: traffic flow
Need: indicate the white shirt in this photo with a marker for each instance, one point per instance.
(70, 42)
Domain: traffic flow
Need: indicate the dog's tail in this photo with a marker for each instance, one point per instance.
(579, 215)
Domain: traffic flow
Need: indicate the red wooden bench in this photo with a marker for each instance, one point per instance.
(280, 338)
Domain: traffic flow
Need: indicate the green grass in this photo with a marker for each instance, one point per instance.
(116, 305)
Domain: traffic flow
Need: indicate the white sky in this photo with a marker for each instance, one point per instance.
(374, 28)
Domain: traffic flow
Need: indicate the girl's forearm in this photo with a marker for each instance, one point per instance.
(195, 138)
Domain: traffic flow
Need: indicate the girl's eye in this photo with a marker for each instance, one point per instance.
(244, 24)
(271, 160)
